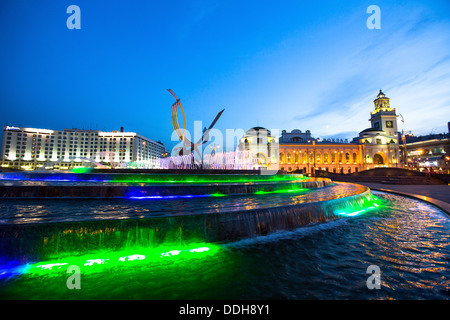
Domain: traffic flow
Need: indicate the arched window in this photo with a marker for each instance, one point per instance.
(304, 158)
(311, 157)
(333, 157)
(288, 158)
(325, 157)
(354, 157)
(347, 157)
(281, 157)
(340, 157)
(318, 157)
(295, 157)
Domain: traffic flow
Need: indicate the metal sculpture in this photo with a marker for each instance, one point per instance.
(187, 144)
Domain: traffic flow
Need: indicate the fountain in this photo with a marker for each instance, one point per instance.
(150, 210)
(178, 223)
(123, 227)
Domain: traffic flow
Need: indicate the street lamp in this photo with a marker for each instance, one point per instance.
(405, 162)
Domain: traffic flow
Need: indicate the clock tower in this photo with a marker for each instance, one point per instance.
(380, 142)
(384, 117)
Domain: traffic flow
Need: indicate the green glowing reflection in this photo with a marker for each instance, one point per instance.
(367, 205)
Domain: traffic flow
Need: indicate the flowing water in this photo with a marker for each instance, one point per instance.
(407, 239)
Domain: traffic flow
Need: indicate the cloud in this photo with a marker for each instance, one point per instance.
(412, 66)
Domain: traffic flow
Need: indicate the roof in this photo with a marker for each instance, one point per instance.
(257, 130)
(381, 94)
(371, 130)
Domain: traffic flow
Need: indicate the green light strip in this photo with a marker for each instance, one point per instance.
(282, 191)
(100, 261)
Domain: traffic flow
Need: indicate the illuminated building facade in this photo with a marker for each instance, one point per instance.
(262, 146)
(31, 148)
(430, 151)
(377, 146)
(326, 156)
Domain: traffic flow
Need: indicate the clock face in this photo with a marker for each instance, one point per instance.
(389, 124)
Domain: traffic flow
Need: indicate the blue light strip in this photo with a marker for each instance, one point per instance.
(9, 272)
(170, 197)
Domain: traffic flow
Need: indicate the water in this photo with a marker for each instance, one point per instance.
(407, 239)
(25, 211)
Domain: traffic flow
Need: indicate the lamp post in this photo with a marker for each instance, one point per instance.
(314, 155)
(336, 159)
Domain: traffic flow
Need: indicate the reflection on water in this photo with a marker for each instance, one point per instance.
(407, 239)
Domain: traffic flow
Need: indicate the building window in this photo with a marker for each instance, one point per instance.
(378, 141)
(311, 157)
(389, 124)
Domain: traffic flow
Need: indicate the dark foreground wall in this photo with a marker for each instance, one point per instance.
(126, 191)
(388, 176)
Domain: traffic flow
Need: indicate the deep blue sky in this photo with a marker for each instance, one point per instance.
(278, 64)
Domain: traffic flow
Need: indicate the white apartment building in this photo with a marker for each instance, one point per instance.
(31, 148)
